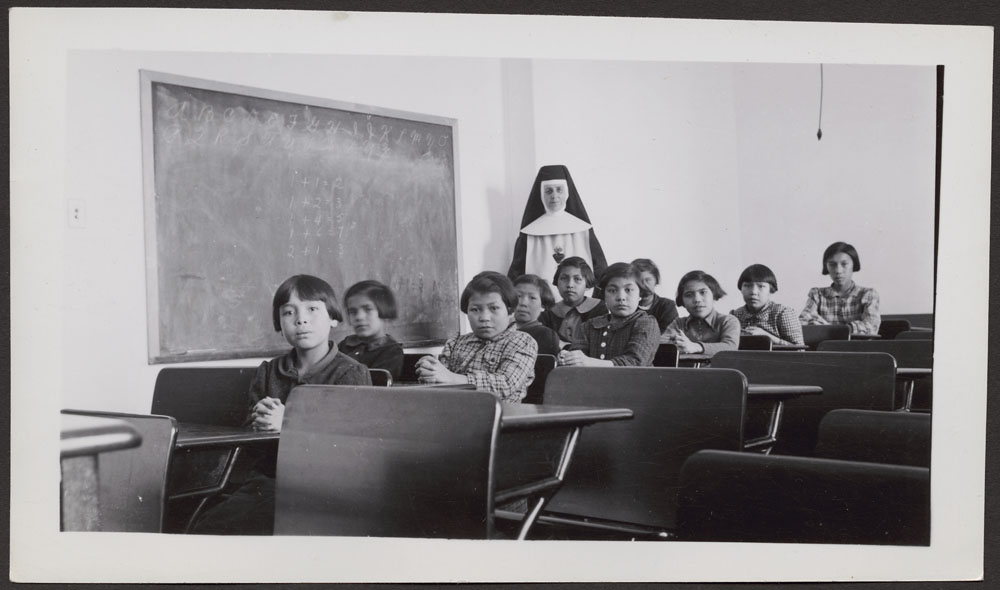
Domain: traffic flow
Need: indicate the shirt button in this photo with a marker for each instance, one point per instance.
(603, 344)
(602, 357)
(605, 333)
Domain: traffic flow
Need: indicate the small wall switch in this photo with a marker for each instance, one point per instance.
(76, 213)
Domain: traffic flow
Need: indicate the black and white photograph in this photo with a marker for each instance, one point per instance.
(345, 297)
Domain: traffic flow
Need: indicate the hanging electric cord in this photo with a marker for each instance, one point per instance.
(819, 128)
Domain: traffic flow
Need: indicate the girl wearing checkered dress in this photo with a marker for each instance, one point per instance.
(625, 336)
(844, 301)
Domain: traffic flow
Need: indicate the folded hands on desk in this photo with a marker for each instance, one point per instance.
(268, 414)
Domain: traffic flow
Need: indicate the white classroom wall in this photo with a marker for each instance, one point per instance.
(694, 165)
(106, 359)
(650, 147)
(869, 181)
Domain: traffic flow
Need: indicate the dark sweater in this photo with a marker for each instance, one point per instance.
(548, 340)
(555, 316)
(626, 342)
(276, 378)
(663, 310)
(380, 353)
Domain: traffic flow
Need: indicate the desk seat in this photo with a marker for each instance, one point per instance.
(131, 482)
(864, 381)
(215, 396)
(751, 498)
(624, 476)
(897, 438)
(387, 462)
(915, 387)
(813, 334)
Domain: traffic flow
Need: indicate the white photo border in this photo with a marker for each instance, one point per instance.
(40, 41)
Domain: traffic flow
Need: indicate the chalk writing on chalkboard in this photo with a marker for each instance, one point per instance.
(245, 187)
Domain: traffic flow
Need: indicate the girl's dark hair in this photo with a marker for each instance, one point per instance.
(490, 281)
(309, 288)
(544, 291)
(381, 296)
(647, 265)
(758, 273)
(837, 248)
(699, 275)
(578, 263)
(623, 270)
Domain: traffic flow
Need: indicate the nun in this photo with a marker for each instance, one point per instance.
(555, 226)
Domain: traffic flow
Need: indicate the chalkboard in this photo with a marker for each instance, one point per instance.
(245, 187)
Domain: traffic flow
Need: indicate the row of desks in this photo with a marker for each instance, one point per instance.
(563, 422)
(514, 417)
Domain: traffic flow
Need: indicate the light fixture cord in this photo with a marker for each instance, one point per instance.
(819, 129)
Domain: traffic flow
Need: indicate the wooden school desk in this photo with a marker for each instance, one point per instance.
(623, 481)
(914, 359)
(774, 394)
(82, 440)
(89, 436)
(694, 360)
(788, 347)
(849, 380)
(909, 377)
(197, 436)
(534, 449)
(205, 457)
(131, 481)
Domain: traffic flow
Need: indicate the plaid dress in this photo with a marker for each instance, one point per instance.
(857, 307)
(779, 320)
(626, 342)
(504, 366)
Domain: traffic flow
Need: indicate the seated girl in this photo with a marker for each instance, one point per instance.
(843, 302)
(369, 304)
(534, 296)
(624, 337)
(573, 277)
(663, 310)
(704, 330)
(304, 310)
(495, 356)
(760, 315)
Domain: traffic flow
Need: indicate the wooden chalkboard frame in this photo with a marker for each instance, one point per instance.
(147, 80)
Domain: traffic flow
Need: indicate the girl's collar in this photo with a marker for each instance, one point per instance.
(613, 321)
(555, 223)
(707, 319)
(761, 310)
(833, 288)
(561, 308)
(370, 343)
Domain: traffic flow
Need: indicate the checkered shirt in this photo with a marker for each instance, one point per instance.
(504, 366)
(626, 342)
(779, 320)
(858, 308)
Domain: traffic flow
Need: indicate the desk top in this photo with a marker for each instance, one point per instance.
(866, 336)
(913, 372)
(531, 416)
(435, 385)
(784, 347)
(513, 417)
(694, 358)
(781, 391)
(90, 435)
(191, 435)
